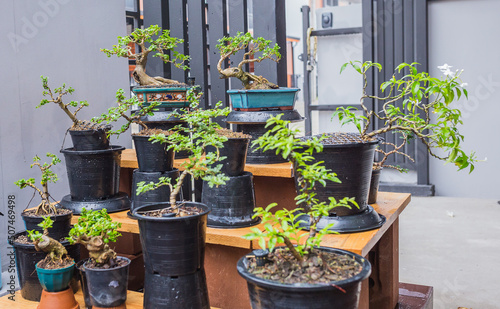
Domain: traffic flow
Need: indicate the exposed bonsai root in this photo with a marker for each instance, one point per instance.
(55, 251)
(98, 250)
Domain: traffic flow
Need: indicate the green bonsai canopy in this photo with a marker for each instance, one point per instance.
(161, 46)
(434, 123)
(255, 50)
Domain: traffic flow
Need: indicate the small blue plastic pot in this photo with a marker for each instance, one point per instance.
(253, 99)
(55, 280)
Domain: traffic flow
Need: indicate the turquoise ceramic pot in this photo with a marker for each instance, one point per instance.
(255, 99)
(55, 280)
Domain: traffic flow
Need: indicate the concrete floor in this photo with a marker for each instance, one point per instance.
(453, 245)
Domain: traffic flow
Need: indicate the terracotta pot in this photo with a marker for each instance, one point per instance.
(58, 300)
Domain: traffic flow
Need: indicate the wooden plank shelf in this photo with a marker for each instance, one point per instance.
(134, 301)
(129, 160)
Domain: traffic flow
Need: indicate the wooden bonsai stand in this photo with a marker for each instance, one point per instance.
(274, 183)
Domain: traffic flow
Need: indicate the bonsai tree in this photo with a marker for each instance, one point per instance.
(160, 47)
(434, 123)
(95, 230)
(56, 95)
(287, 226)
(121, 111)
(57, 255)
(45, 207)
(199, 133)
(255, 50)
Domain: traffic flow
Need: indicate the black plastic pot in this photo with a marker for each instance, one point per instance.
(231, 205)
(90, 139)
(152, 157)
(165, 292)
(83, 283)
(266, 294)
(26, 259)
(172, 246)
(372, 195)
(235, 151)
(258, 156)
(108, 287)
(353, 165)
(93, 175)
(156, 196)
(60, 227)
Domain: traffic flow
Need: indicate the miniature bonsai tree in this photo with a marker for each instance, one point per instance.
(121, 111)
(434, 123)
(56, 96)
(195, 137)
(256, 50)
(45, 207)
(56, 253)
(288, 226)
(95, 230)
(160, 46)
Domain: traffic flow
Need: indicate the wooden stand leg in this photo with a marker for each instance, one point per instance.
(384, 281)
(226, 288)
(126, 180)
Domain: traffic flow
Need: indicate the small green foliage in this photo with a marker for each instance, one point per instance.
(35, 236)
(95, 223)
(413, 117)
(46, 223)
(47, 176)
(253, 50)
(284, 226)
(259, 48)
(120, 111)
(199, 133)
(144, 38)
(56, 97)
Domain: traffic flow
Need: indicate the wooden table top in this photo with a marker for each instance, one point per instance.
(129, 160)
(134, 301)
(389, 205)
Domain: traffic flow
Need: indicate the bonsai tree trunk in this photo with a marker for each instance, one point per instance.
(142, 78)
(55, 251)
(98, 250)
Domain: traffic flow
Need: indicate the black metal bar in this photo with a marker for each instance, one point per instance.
(408, 53)
(197, 31)
(156, 13)
(369, 49)
(398, 58)
(389, 50)
(306, 89)
(177, 26)
(238, 22)
(269, 22)
(341, 31)
(216, 18)
(421, 55)
(331, 107)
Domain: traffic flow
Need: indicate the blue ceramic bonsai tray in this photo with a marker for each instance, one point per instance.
(262, 99)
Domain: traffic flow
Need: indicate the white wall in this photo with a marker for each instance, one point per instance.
(59, 39)
(464, 34)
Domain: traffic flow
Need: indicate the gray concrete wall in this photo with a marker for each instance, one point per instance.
(464, 34)
(59, 39)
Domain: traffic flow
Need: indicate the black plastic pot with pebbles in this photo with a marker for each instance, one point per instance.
(352, 159)
(174, 249)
